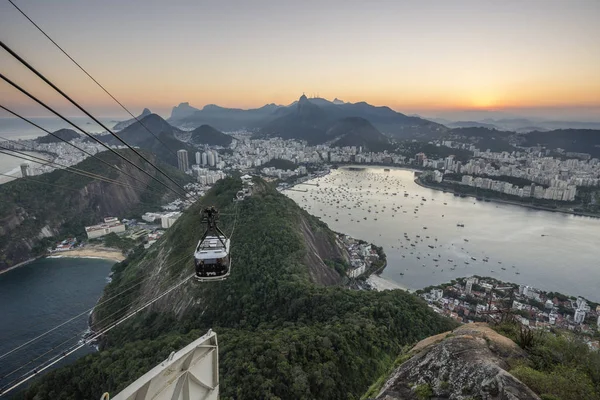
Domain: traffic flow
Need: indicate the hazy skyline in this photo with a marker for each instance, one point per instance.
(538, 58)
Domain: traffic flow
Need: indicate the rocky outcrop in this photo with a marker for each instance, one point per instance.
(183, 110)
(470, 362)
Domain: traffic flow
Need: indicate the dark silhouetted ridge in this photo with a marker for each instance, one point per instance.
(206, 134)
(65, 134)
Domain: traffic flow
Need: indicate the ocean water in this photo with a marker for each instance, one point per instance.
(550, 251)
(12, 165)
(39, 296)
(15, 128)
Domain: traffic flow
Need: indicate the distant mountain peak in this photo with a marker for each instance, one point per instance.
(124, 124)
(308, 109)
(137, 132)
(153, 117)
(182, 110)
(338, 101)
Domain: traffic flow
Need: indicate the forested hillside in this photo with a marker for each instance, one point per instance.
(286, 329)
(37, 211)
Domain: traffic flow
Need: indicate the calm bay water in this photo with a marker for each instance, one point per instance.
(551, 251)
(39, 296)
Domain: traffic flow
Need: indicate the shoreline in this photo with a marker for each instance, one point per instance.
(394, 283)
(94, 253)
(20, 265)
(379, 284)
(510, 202)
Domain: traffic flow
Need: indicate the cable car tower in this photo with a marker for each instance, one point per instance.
(211, 256)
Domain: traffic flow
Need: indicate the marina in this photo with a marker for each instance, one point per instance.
(420, 236)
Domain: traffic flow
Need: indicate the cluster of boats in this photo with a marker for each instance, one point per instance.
(340, 196)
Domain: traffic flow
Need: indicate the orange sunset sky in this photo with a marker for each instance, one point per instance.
(414, 56)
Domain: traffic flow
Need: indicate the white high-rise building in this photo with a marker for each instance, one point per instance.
(204, 159)
(524, 290)
(469, 286)
(579, 316)
(448, 162)
(167, 220)
(216, 156)
(198, 158)
(211, 159)
(182, 160)
(25, 169)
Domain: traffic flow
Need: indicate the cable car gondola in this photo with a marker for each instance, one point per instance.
(211, 256)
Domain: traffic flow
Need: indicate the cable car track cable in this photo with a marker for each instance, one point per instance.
(22, 90)
(55, 360)
(48, 82)
(78, 335)
(70, 168)
(90, 76)
(85, 312)
(70, 144)
(73, 170)
(72, 319)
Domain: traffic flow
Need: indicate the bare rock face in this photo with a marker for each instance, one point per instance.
(470, 362)
(320, 247)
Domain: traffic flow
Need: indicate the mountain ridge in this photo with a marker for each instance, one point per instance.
(357, 131)
(65, 134)
(221, 118)
(32, 217)
(124, 124)
(574, 140)
(154, 134)
(392, 123)
(206, 134)
(286, 328)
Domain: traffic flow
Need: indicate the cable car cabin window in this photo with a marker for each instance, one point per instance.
(212, 258)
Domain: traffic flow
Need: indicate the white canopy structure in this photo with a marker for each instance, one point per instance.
(192, 373)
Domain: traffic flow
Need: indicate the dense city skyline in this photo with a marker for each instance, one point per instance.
(534, 58)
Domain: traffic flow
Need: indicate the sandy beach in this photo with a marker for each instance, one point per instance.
(380, 284)
(91, 252)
